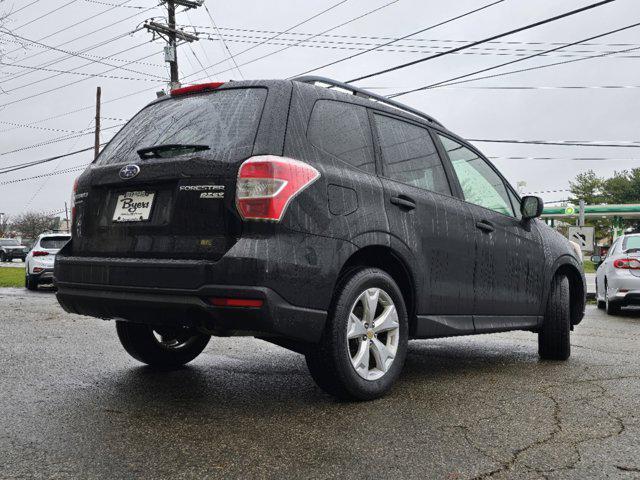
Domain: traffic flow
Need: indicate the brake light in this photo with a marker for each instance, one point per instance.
(39, 253)
(627, 263)
(267, 184)
(202, 87)
(236, 302)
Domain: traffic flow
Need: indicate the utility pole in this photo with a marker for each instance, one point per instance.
(173, 55)
(66, 216)
(170, 34)
(581, 214)
(96, 148)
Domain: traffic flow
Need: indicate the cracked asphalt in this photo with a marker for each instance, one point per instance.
(74, 405)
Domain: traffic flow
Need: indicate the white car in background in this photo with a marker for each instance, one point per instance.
(39, 261)
(618, 276)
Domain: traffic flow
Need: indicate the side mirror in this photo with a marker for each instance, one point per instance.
(596, 259)
(531, 207)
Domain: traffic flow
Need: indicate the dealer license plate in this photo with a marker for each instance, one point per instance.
(133, 206)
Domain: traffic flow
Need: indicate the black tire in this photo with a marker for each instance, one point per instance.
(2, 257)
(329, 361)
(610, 307)
(141, 343)
(553, 337)
(30, 283)
(600, 303)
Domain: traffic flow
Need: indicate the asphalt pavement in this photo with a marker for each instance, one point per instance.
(74, 405)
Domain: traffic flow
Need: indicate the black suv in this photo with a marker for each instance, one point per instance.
(314, 215)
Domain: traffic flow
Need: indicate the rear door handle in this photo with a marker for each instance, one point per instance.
(404, 202)
(485, 226)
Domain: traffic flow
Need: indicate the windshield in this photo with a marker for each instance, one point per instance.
(222, 120)
(53, 243)
(631, 243)
(9, 243)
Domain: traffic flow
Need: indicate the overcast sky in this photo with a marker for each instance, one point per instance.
(472, 112)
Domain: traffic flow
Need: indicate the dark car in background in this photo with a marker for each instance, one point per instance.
(11, 248)
(314, 215)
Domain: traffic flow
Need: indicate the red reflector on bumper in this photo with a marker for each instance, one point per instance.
(236, 302)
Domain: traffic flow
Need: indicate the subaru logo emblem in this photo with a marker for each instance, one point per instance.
(129, 171)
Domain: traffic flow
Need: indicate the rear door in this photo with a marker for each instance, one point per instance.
(509, 265)
(436, 226)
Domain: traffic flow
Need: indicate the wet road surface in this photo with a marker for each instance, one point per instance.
(74, 405)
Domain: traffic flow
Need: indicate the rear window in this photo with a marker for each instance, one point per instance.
(223, 120)
(631, 243)
(53, 242)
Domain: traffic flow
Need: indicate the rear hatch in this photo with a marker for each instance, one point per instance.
(164, 186)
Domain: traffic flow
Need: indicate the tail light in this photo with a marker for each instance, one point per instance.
(627, 263)
(39, 253)
(267, 184)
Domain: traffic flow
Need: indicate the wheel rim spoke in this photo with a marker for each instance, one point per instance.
(361, 360)
(371, 297)
(356, 327)
(382, 355)
(388, 320)
(370, 336)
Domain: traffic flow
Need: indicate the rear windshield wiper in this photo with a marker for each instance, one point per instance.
(169, 150)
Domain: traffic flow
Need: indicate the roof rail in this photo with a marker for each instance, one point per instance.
(360, 92)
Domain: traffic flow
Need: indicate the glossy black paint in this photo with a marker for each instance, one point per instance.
(462, 268)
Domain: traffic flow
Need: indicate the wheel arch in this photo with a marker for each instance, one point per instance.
(568, 267)
(391, 261)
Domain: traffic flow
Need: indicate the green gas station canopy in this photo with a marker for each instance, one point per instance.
(571, 211)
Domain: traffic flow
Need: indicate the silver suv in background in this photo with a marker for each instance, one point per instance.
(11, 248)
(40, 260)
(618, 276)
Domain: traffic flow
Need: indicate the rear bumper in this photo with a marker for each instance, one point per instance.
(632, 297)
(11, 255)
(276, 317)
(45, 276)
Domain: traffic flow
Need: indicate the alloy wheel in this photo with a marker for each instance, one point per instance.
(373, 333)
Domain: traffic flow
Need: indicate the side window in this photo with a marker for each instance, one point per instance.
(342, 129)
(480, 183)
(409, 155)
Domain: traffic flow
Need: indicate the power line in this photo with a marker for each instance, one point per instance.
(577, 159)
(68, 52)
(115, 4)
(399, 39)
(57, 140)
(611, 32)
(55, 89)
(44, 160)
(485, 40)
(50, 174)
(314, 16)
(44, 15)
(545, 87)
(538, 67)
(20, 9)
(369, 12)
(71, 72)
(427, 40)
(566, 143)
(91, 33)
(222, 40)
